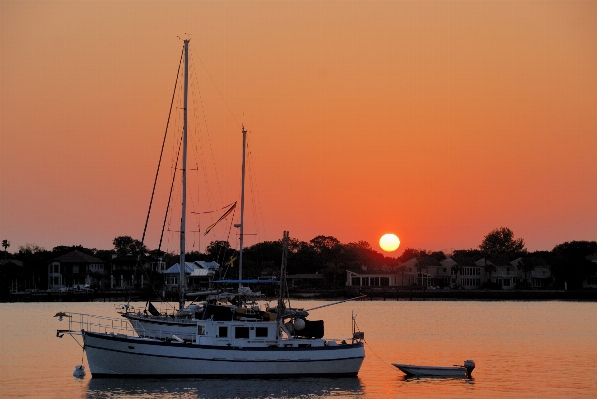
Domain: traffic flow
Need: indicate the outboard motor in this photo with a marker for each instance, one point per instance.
(469, 365)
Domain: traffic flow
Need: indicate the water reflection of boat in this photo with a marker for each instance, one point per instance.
(437, 371)
(223, 389)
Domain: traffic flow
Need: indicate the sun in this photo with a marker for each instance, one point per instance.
(389, 242)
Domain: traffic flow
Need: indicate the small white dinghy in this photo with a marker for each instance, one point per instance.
(437, 371)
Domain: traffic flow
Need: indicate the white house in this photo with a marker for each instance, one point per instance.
(198, 273)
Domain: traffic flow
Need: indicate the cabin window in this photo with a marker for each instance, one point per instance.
(384, 281)
(261, 332)
(75, 268)
(356, 281)
(222, 332)
(241, 332)
(200, 330)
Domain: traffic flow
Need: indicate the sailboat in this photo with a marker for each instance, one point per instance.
(232, 337)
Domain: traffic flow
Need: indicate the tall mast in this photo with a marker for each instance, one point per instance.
(281, 306)
(242, 210)
(182, 282)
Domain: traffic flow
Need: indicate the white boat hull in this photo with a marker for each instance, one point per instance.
(115, 356)
(431, 371)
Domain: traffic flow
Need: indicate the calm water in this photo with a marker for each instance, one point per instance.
(522, 350)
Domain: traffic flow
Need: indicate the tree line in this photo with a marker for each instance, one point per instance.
(324, 255)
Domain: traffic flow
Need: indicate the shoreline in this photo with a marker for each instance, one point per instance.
(325, 295)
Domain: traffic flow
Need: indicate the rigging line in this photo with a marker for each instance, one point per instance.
(256, 188)
(253, 189)
(208, 136)
(215, 210)
(218, 90)
(163, 143)
(170, 195)
(227, 238)
(138, 264)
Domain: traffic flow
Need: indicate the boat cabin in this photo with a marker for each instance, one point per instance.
(244, 333)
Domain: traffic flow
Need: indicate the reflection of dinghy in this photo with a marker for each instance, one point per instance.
(437, 371)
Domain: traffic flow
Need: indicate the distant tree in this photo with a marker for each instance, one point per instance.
(5, 244)
(31, 249)
(569, 262)
(263, 259)
(501, 242)
(439, 255)
(362, 244)
(410, 253)
(323, 243)
(124, 245)
(63, 249)
(334, 275)
(191, 256)
(468, 253)
(35, 265)
(219, 251)
(304, 260)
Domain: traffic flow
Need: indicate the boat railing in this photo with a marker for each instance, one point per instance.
(93, 323)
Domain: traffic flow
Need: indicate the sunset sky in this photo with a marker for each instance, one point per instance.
(434, 120)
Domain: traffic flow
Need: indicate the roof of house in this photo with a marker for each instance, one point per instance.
(4, 262)
(207, 265)
(77, 256)
(448, 262)
(201, 273)
(531, 261)
(192, 267)
(464, 261)
(497, 260)
(175, 269)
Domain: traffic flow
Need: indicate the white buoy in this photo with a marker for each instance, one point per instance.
(79, 371)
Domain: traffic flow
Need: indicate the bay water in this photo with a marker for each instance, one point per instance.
(521, 349)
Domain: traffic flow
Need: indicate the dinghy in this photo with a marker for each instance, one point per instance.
(437, 371)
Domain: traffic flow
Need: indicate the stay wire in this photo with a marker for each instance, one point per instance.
(218, 90)
(157, 174)
(163, 144)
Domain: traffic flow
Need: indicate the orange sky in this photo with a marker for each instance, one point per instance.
(438, 121)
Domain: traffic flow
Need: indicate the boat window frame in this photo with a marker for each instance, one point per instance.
(239, 332)
(259, 332)
(224, 329)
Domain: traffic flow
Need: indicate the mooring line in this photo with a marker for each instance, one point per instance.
(383, 361)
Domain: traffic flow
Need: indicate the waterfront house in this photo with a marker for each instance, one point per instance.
(465, 272)
(533, 272)
(75, 267)
(198, 274)
(504, 274)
